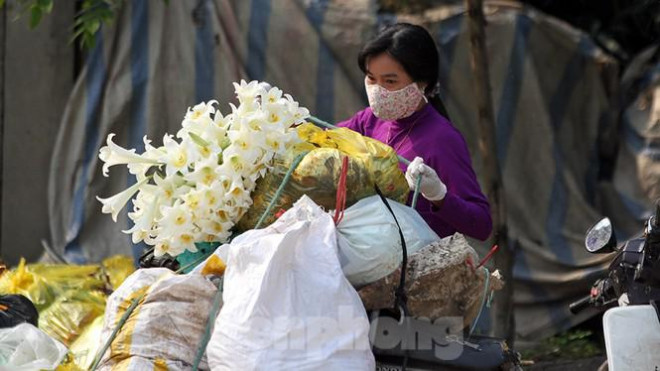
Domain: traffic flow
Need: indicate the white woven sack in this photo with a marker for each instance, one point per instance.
(166, 329)
(369, 241)
(287, 304)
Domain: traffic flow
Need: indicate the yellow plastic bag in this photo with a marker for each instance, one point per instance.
(117, 268)
(44, 283)
(83, 350)
(71, 313)
(70, 299)
(370, 162)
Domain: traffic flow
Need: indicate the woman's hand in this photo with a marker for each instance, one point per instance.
(431, 187)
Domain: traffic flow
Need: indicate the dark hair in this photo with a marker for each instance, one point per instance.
(415, 49)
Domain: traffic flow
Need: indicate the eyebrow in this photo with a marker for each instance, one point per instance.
(385, 75)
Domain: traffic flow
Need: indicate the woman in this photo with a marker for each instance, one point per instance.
(401, 71)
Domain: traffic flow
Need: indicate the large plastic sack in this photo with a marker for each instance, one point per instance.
(165, 329)
(287, 304)
(26, 348)
(439, 282)
(370, 162)
(369, 241)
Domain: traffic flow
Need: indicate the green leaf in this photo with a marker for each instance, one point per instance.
(35, 16)
(92, 26)
(199, 140)
(88, 40)
(225, 143)
(45, 5)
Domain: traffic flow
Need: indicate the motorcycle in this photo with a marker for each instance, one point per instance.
(416, 345)
(630, 287)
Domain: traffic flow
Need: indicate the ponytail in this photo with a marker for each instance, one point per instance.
(439, 106)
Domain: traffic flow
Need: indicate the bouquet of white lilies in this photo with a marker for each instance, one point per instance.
(195, 187)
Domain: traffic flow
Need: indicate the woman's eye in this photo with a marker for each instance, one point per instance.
(371, 78)
(391, 82)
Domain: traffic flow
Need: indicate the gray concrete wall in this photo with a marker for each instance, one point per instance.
(37, 76)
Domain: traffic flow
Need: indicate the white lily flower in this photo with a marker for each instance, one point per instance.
(205, 172)
(176, 219)
(167, 246)
(196, 203)
(170, 188)
(210, 170)
(176, 156)
(299, 113)
(112, 205)
(207, 146)
(279, 116)
(247, 92)
(255, 122)
(198, 121)
(218, 229)
(144, 220)
(276, 142)
(186, 241)
(271, 97)
(222, 121)
(235, 162)
(214, 134)
(213, 195)
(113, 154)
(201, 110)
(243, 110)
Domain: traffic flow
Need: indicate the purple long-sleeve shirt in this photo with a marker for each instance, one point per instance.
(432, 137)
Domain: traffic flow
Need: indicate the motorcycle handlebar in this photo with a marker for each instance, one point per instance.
(580, 305)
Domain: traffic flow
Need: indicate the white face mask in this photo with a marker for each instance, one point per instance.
(394, 105)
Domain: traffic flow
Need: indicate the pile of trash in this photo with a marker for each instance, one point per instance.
(322, 243)
(52, 313)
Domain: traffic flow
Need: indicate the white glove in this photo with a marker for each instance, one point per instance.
(431, 187)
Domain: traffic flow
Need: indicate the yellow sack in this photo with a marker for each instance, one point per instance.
(370, 162)
(44, 283)
(166, 327)
(71, 313)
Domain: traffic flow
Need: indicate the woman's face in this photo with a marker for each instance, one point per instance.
(385, 71)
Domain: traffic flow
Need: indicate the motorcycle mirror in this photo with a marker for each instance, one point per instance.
(600, 238)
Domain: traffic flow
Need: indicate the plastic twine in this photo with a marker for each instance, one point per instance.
(483, 302)
(120, 324)
(416, 193)
(279, 191)
(340, 202)
(207, 331)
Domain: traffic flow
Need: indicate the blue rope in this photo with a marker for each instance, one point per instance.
(483, 302)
